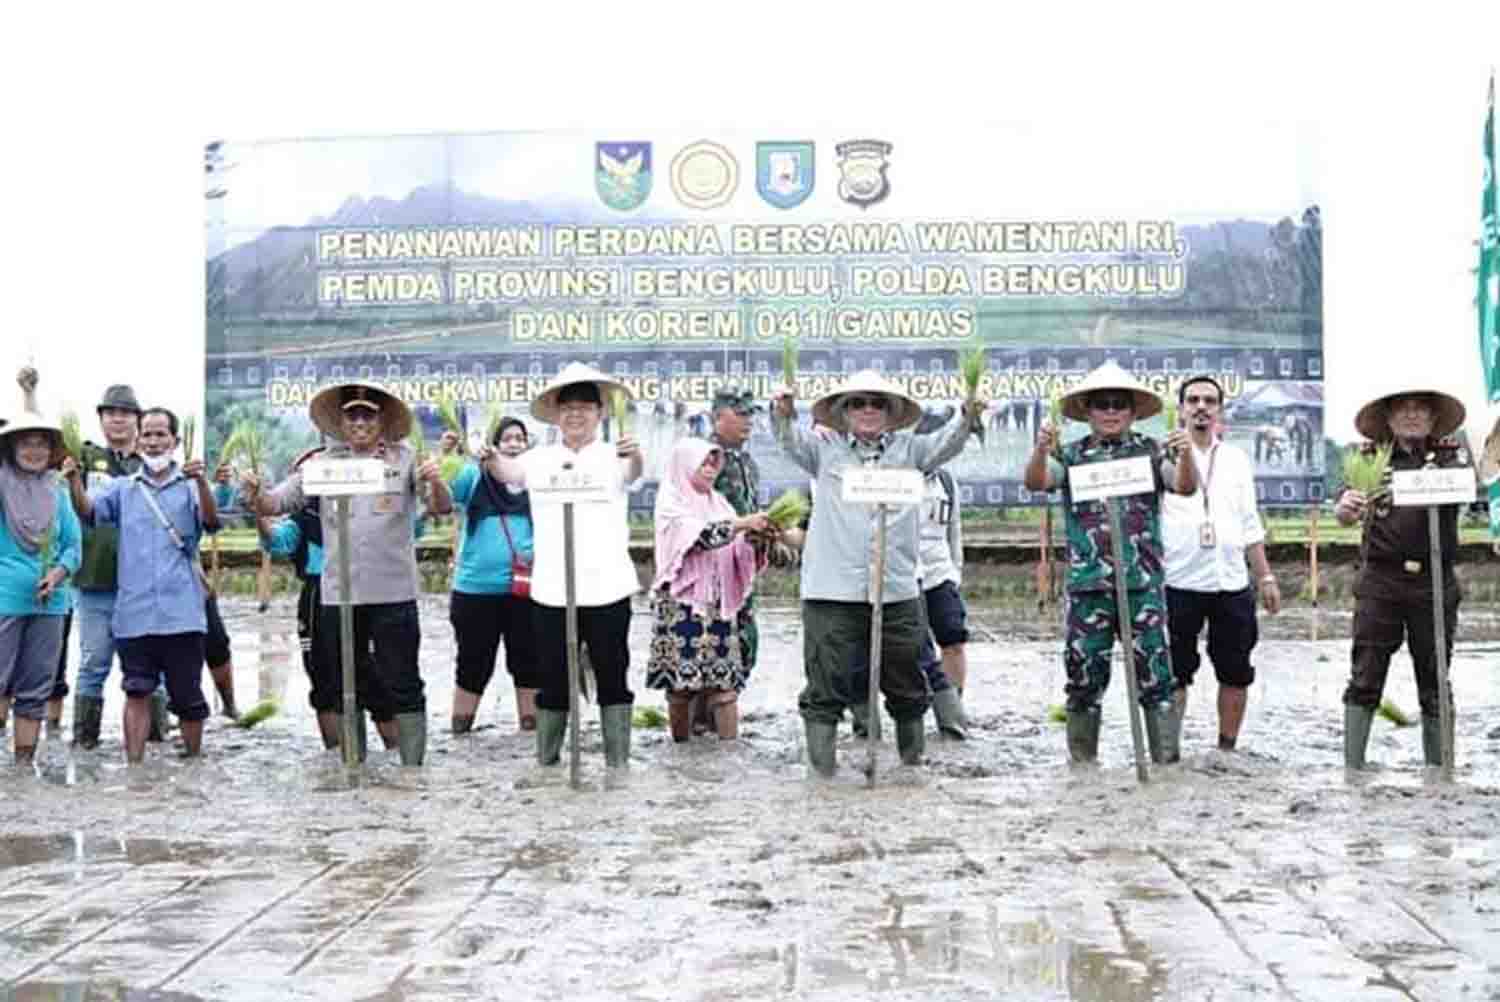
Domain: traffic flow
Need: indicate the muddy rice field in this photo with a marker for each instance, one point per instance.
(266, 871)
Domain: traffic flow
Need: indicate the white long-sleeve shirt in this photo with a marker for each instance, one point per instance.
(1230, 508)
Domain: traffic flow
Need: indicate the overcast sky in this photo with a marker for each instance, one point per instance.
(105, 267)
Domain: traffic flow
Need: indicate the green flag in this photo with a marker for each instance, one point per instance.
(1488, 298)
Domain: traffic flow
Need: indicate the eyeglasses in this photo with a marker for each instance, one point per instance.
(860, 403)
(1110, 402)
(1194, 398)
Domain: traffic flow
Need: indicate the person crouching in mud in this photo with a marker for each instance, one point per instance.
(872, 419)
(1110, 401)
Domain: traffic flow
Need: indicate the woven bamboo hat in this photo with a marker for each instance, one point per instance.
(544, 407)
(904, 410)
(327, 409)
(1448, 412)
(1109, 376)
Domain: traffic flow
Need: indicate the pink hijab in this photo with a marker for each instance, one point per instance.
(704, 579)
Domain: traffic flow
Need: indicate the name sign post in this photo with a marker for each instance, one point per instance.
(884, 488)
(342, 479)
(567, 488)
(1109, 481)
(1432, 488)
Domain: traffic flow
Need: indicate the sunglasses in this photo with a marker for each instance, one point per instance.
(1110, 402)
(860, 403)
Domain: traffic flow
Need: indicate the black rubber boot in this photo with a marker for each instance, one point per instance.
(88, 712)
(1357, 723)
(1083, 735)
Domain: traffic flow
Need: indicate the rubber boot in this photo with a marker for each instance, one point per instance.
(948, 708)
(821, 739)
(1163, 733)
(88, 712)
(861, 714)
(679, 718)
(615, 722)
(1083, 735)
(551, 728)
(411, 737)
(911, 739)
(158, 731)
(1357, 723)
(1432, 740)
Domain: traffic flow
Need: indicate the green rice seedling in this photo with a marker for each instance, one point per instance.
(450, 467)
(189, 437)
(1169, 413)
(789, 361)
(788, 510)
(648, 716)
(448, 416)
(1365, 468)
(619, 407)
(259, 713)
(247, 442)
(72, 436)
(1057, 714)
(971, 368)
(1390, 711)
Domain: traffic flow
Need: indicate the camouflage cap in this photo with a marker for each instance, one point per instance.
(737, 398)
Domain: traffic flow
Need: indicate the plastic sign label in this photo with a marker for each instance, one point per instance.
(877, 485)
(1423, 487)
(343, 477)
(1112, 479)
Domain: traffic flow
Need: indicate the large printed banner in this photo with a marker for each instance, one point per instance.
(469, 269)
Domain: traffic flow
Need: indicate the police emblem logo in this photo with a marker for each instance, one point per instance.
(704, 175)
(862, 164)
(784, 173)
(622, 174)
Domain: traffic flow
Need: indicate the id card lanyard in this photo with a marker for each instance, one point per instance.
(1206, 538)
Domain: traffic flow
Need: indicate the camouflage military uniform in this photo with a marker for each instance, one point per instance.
(739, 482)
(1393, 593)
(1091, 611)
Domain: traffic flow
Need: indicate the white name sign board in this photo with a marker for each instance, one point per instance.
(343, 477)
(1423, 487)
(1111, 479)
(877, 485)
(568, 487)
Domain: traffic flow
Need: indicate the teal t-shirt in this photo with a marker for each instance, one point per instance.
(20, 571)
(484, 566)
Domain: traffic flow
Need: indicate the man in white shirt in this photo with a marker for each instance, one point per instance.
(1208, 536)
(604, 575)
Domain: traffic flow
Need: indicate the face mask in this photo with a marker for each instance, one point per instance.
(156, 464)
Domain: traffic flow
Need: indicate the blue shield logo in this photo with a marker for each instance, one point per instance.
(784, 173)
(622, 173)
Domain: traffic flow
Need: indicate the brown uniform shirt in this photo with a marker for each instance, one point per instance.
(1395, 550)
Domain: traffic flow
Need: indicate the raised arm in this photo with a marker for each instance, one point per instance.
(931, 451)
(801, 447)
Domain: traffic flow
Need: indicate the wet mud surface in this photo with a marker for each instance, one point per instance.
(265, 871)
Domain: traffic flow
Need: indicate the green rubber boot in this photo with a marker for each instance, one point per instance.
(551, 728)
(1357, 723)
(88, 713)
(1163, 733)
(860, 713)
(821, 739)
(411, 737)
(911, 739)
(158, 731)
(1432, 740)
(615, 722)
(1083, 735)
(948, 708)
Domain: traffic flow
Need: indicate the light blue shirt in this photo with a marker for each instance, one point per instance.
(484, 566)
(158, 591)
(285, 537)
(21, 571)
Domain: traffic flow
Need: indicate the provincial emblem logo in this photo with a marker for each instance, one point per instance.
(784, 173)
(862, 164)
(622, 173)
(704, 175)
